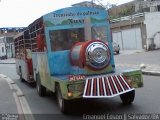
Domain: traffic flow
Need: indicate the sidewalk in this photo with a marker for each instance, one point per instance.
(8, 61)
(7, 101)
(147, 70)
(13, 104)
(128, 52)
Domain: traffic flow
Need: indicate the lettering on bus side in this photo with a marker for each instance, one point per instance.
(76, 21)
(76, 77)
(72, 14)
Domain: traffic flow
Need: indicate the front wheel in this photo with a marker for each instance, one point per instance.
(61, 102)
(128, 98)
(40, 89)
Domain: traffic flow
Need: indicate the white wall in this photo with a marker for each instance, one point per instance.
(152, 21)
(117, 37)
(129, 39)
(157, 40)
(2, 49)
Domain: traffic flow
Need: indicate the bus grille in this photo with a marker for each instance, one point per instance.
(106, 86)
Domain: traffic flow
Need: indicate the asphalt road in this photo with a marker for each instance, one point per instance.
(150, 57)
(146, 100)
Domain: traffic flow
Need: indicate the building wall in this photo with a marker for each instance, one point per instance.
(122, 10)
(2, 48)
(146, 6)
(149, 23)
(149, 29)
(128, 39)
(133, 7)
(152, 21)
(143, 35)
(7, 34)
(130, 34)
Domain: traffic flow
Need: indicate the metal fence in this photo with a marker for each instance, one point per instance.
(130, 17)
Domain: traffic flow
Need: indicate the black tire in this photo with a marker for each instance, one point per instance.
(128, 98)
(40, 89)
(33, 84)
(20, 75)
(62, 103)
(117, 52)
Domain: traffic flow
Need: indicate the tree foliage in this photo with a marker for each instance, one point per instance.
(104, 4)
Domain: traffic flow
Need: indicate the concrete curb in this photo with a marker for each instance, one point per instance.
(154, 73)
(22, 105)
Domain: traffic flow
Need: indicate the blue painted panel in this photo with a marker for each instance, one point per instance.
(59, 62)
(74, 16)
(68, 18)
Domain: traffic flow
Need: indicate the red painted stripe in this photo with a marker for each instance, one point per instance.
(108, 92)
(95, 87)
(101, 87)
(117, 84)
(123, 84)
(88, 91)
(112, 85)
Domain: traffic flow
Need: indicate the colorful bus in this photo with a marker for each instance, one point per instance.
(69, 52)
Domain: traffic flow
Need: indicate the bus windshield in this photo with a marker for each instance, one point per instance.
(64, 39)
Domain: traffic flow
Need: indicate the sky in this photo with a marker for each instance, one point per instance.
(20, 13)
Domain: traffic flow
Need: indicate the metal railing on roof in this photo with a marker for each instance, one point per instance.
(125, 18)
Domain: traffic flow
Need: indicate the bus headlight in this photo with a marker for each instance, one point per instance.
(77, 87)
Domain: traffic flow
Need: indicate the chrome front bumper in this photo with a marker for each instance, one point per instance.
(106, 86)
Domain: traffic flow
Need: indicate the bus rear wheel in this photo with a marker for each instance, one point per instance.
(128, 98)
(62, 103)
(40, 89)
